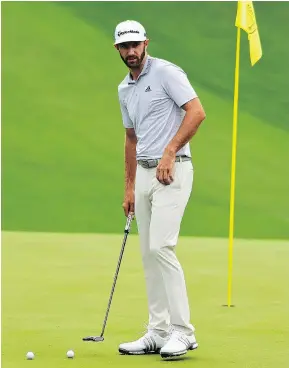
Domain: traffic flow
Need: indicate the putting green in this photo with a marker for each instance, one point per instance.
(55, 289)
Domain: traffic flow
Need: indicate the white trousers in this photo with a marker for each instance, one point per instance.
(159, 210)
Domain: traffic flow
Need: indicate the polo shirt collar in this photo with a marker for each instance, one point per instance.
(147, 65)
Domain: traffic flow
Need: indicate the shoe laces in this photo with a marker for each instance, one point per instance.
(146, 333)
(178, 335)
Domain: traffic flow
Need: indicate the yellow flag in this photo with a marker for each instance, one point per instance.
(246, 20)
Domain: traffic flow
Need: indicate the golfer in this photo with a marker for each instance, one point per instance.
(161, 112)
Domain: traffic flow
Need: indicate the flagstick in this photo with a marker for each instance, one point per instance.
(233, 168)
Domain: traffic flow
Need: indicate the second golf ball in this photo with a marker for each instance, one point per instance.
(70, 354)
(30, 355)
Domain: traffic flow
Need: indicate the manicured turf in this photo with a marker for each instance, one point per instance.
(62, 131)
(62, 172)
(55, 289)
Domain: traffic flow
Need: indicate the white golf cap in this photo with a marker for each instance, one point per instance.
(128, 31)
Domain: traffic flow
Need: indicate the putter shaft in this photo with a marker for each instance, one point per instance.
(126, 232)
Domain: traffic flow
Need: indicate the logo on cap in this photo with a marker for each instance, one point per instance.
(120, 33)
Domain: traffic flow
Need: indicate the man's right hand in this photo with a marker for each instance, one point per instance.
(128, 203)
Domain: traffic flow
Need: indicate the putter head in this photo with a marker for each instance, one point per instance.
(93, 338)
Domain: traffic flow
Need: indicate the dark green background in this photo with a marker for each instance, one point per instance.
(62, 135)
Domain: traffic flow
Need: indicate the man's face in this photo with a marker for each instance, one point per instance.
(132, 53)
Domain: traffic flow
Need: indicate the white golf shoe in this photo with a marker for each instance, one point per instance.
(150, 343)
(178, 344)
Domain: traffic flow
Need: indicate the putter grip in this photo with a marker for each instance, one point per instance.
(128, 222)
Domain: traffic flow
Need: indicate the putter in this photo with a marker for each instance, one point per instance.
(126, 232)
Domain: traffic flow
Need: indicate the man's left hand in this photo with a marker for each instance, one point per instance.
(165, 168)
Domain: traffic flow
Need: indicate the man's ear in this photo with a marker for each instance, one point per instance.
(146, 42)
(116, 46)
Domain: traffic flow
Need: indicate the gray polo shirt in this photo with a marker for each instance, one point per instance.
(152, 106)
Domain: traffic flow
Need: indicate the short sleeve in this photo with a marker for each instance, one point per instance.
(176, 84)
(127, 123)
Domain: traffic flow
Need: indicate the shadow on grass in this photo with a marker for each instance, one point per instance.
(178, 359)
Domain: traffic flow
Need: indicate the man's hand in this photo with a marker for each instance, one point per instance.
(165, 168)
(128, 202)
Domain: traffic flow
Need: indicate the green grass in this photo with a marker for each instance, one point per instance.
(62, 157)
(62, 172)
(202, 38)
(55, 289)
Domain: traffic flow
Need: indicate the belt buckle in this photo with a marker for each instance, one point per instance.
(144, 164)
(155, 162)
(151, 163)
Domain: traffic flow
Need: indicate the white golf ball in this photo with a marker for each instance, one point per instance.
(70, 354)
(30, 355)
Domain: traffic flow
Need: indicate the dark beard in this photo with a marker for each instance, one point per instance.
(138, 63)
